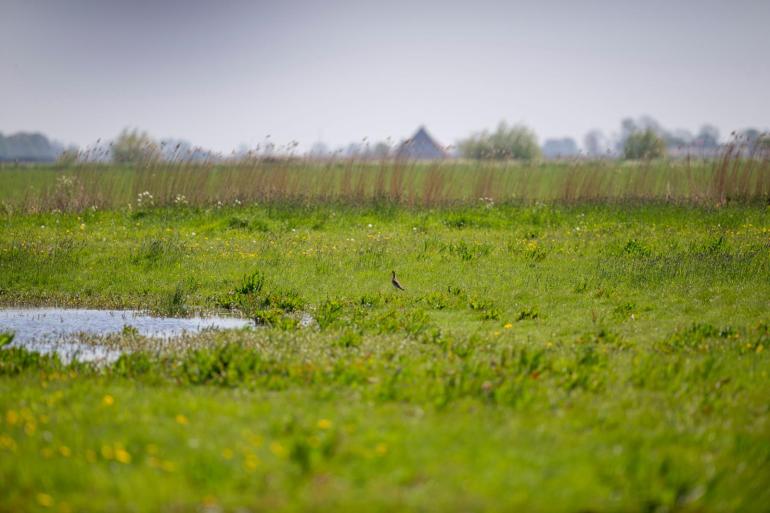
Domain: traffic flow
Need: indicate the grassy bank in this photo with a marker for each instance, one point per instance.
(543, 358)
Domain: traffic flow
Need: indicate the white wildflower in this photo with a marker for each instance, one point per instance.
(145, 199)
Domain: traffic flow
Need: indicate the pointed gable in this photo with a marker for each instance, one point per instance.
(421, 146)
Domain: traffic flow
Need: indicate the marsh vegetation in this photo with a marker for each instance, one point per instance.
(552, 352)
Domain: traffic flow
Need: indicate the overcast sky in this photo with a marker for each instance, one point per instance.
(223, 73)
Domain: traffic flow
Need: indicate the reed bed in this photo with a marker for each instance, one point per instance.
(40, 188)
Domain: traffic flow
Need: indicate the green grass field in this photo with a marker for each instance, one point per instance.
(544, 357)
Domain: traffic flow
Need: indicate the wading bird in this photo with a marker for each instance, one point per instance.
(395, 282)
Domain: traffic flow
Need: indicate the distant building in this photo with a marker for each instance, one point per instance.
(421, 146)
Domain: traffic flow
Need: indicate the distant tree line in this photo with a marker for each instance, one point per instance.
(28, 147)
(643, 138)
(638, 139)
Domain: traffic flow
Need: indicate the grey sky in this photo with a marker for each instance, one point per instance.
(224, 73)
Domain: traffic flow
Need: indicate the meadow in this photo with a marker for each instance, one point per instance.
(573, 337)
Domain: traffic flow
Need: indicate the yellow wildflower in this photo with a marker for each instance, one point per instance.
(324, 424)
(251, 462)
(277, 449)
(6, 442)
(122, 456)
(44, 500)
(108, 400)
(181, 419)
(508, 326)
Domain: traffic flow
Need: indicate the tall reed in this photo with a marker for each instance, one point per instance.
(734, 176)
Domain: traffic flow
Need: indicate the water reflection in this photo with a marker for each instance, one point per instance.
(60, 330)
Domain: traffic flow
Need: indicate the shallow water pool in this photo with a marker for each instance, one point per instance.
(58, 330)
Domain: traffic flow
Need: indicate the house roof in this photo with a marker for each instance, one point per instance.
(421, 146)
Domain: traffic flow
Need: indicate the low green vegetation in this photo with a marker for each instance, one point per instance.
(561, 357)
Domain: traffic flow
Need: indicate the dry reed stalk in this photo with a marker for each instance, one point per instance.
(379, 184)
(735, 176)
(524, 183)
(718, 191)
(743, 179)
(762, 184)
(432, 186)
(570, 186)
(410, 187)
(322, 182)
(396, 181)
(484, 184)
(592, 187)
(359, 196)
(346, 183)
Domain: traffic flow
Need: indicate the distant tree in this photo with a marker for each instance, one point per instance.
(644, 144)
(30, 147)
(677, 138)
(591, 143)
(627, 127)
(380, 150)
(595, 143)
(752, 141)
(515, 142)
(319, 150)
(556, 148)
(756, 141)
(174, 150)
(708, 137)
(749, 135)
(134, 146)
(354, 150)
(630, 126)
